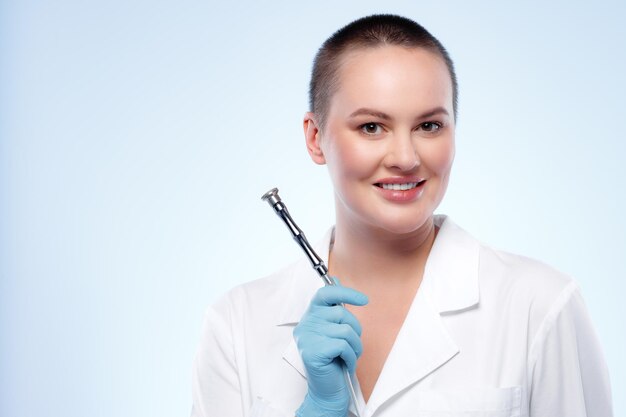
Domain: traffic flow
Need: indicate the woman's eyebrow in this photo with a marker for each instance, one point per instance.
(370, 112)
(375, 113)
(433, 112)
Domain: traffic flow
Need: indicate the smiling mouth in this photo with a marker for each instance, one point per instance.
(400, 187)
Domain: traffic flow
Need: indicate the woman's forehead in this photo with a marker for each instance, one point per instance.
(393, 77)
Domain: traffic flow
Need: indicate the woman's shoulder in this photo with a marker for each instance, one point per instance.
(498, 270)
(506, 280)
(524, 285)
(269, 298)
(523, 273)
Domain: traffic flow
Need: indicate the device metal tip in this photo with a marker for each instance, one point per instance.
(273, 191)
(271, 196)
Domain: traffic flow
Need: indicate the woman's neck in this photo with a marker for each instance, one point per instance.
(364, 256)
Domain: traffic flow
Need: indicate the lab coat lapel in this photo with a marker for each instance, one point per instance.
(305, 283)
(423, 344)
(292, 356)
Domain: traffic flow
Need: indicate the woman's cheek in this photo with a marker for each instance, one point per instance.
(441, 156)
(358, 159)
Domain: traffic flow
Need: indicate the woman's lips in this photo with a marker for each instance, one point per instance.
(401, 189)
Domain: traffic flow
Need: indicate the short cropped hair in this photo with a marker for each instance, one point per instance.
(368, 32)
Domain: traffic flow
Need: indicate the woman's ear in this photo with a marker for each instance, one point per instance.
(312, 137)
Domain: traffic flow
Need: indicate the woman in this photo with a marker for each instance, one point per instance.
(435, 323)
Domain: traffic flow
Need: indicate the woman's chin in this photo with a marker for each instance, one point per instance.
(403, 226)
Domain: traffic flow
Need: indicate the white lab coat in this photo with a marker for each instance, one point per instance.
(488, 334)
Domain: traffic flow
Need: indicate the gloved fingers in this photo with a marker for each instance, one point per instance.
(319, 346)
(336, 294)
(339, 315)
(341, 348)
(315, 326)
(347, 333)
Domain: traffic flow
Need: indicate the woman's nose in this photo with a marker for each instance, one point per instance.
(402, 153)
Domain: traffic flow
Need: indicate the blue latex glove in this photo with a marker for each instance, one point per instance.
(328, 336)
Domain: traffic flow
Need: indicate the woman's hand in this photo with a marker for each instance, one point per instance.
(328, 336)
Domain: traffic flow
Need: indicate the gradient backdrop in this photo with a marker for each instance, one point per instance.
(136, 138)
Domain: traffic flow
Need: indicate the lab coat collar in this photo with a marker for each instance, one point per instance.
(451, 271)
(450, 276)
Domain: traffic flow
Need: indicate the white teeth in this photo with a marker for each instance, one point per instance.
(403, 187)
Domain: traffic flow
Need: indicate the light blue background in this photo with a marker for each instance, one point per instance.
(136, 138)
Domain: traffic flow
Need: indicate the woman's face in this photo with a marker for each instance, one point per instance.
(388, 140)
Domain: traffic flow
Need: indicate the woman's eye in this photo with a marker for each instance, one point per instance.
(371, 128)
(430, 126)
